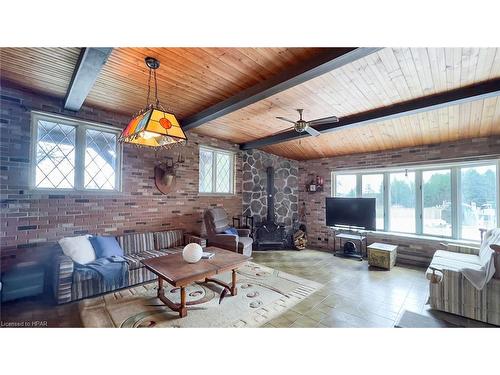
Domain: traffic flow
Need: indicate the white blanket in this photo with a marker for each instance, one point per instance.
(480, 277)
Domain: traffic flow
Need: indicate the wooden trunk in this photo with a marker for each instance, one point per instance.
(381, 258)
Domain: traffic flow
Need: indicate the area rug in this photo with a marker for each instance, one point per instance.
(263, 294)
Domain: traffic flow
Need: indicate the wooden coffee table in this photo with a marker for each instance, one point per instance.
(178, 273)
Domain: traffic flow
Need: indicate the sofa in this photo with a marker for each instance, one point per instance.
(216, 223)
(465, 280)
(71, 284)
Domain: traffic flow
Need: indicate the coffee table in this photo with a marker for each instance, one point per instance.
(178, 273)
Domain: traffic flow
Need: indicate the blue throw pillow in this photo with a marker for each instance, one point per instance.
(105, 246)
(231, 230)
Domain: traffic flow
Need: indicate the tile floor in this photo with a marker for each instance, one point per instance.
(353, 296)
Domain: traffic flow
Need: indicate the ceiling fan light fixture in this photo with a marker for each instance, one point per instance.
(301, 125)
(153, 126)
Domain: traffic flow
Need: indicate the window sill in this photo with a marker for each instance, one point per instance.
(426, 237)
(71, 192)
(220, 195)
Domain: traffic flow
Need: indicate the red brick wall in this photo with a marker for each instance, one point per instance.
(411, 250)
(31, 217)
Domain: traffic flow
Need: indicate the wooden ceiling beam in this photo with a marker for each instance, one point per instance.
(88, 66)
(433, 102)
(331, 59)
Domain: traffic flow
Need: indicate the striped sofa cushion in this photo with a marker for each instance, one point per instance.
(134, 260)
(169, 238)
(136, 243)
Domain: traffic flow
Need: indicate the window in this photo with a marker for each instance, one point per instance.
(74, 155)
(402, 202)
(345, 186)
(478, 209)
(372, 186)
(436, 188)
(100, 159)
(216, 174)
(55, 155)
(443, 200)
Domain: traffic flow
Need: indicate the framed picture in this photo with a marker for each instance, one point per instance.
(312, 187)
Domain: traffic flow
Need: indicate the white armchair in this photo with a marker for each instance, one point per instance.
(465, 280)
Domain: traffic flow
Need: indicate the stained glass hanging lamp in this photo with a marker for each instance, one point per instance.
(153, 126)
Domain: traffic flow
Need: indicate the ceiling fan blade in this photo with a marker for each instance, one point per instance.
(285, 119)
(324, 120)
(312, 131)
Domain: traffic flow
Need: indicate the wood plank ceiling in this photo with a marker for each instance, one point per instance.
(47, 70)
(192, 79)
(189, 79)
(389, 76)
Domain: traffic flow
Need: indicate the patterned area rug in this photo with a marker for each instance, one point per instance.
(263, 294)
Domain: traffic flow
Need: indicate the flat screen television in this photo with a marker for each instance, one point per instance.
(352, 212)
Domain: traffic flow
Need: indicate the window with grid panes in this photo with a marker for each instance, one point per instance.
(216, 171)
(72, 154)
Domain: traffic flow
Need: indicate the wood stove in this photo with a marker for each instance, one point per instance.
(269, 234)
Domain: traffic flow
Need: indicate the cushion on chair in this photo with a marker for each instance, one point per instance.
(220, 220)
(453, 265)
(105, 246)
(447, 260)
(78, 248)
(231, 230)
(466, 258)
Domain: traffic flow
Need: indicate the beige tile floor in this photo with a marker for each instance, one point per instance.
(354, 295)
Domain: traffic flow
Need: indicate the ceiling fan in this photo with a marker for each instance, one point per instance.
(302, 125)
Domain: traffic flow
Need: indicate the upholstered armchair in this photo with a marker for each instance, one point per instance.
(465, 280)
(216, 222)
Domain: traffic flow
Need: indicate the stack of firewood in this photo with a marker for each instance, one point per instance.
(300, 240)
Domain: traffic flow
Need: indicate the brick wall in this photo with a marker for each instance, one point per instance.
(411, 250)
(31, 217)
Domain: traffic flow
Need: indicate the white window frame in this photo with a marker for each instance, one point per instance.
(456, 225)
(359, 193)
(81, 127)
(232, 182)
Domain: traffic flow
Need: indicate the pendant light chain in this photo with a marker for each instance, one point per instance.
(149, 88)
(157, 101)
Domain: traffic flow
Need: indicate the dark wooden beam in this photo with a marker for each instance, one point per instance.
(427, 103)
(328, 60)
(87, 69)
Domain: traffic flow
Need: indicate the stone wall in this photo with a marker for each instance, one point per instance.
(254, 179)
(29, 217)
(412, 250)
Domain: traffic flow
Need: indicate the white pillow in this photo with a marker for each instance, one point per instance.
(79, 248)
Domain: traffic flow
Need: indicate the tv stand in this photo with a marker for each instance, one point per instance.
(345, 235)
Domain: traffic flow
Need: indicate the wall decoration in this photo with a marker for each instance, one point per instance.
(165, 174)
